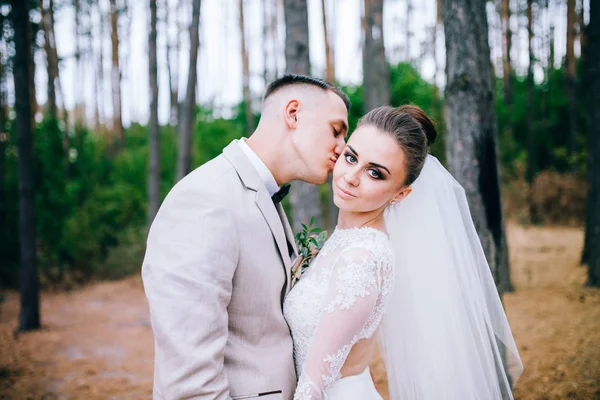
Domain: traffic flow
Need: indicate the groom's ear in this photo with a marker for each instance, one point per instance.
(291, 114)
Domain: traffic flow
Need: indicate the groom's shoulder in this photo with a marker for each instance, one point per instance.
(213, 176)
(213, 170)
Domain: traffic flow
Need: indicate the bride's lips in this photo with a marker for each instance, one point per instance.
(344, 193)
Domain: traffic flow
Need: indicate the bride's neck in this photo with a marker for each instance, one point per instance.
(373, 219)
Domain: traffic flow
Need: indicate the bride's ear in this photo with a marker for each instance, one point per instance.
(401, 195)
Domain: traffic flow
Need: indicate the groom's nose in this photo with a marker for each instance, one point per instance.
(339, 146)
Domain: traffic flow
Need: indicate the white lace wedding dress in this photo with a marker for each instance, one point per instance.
(338, 302)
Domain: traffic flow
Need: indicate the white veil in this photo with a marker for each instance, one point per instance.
(444, 335)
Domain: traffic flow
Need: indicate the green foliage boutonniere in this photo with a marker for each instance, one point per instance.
(310, 241)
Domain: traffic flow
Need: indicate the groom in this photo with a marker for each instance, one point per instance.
(217, 264)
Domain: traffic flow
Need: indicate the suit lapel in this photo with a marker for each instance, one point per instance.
(267, 208)
(251, 181)
(289, 234)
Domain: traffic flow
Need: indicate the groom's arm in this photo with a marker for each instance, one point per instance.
(191, 256)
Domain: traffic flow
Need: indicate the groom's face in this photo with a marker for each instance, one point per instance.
(319, 137)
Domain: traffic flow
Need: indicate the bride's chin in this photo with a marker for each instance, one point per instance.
(340, 203)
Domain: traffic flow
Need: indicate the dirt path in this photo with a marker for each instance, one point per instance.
(97, 342)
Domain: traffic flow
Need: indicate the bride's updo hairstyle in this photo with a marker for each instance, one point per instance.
(413, 130)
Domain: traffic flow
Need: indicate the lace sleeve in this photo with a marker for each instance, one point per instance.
(352, 311)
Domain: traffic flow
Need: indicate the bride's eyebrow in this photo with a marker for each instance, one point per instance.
(371, 163)
(352, 150)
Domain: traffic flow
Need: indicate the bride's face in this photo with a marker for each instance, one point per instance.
(370, 172)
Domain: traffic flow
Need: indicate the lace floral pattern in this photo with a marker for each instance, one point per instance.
(339, 301)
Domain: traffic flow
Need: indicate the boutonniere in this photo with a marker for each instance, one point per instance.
(310, 241)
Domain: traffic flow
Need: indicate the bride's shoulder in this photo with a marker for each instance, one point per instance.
(364, 241)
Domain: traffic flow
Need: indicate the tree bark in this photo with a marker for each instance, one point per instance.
(118, 130)
(571, 77)
(29, 316)
(531, 142)
(51, 57)
(100, 71)
(91, 52)
(592, 83)
(173, 64)
(332, 210)
(154, 139)
(275, 37)
(3, 141)
(266, 21)
(78, 120)
(33, 101)
(329, 60)
(581, 26)
(506, 47)
(471, 143)
(376, 79)
(186, 122)
(438, 26)
(296, 38)
(304, 197)
(245, 74)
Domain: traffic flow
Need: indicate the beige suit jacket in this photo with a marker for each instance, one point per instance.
(215, 273)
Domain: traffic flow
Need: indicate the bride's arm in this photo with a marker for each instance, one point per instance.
(351, 312)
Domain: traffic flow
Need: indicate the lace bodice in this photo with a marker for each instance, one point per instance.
(339, 301)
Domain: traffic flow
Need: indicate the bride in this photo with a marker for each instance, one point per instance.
(404, 266)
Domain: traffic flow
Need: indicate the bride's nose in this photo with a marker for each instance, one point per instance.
(352, 178)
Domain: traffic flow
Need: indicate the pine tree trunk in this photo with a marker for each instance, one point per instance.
(571, 77)
(275, 37)
(507, 45)
(173, 64)
(29, 316)
(304, 197)
(51, 58)
(33, 101)
(592, 83)
(531, 142)
(77, 118)
(376, 79)
(100, 71)
(245, 74)
(118, 130)
(187, 117)
(581, 26)
(332, 210)
(329, 60)
(436, 28)
(296, 38)
(3, 141)
(154, 139)
(471, 130)
(59, 90)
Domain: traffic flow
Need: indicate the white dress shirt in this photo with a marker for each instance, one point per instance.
(265, 175)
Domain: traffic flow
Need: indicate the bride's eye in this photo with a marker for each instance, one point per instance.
(373, 173)
(350, 158)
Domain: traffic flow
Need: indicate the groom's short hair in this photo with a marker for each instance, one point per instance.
(291, 80)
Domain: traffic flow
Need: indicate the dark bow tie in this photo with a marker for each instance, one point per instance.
(281, 193)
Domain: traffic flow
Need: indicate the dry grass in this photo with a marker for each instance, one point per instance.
(97, 342)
